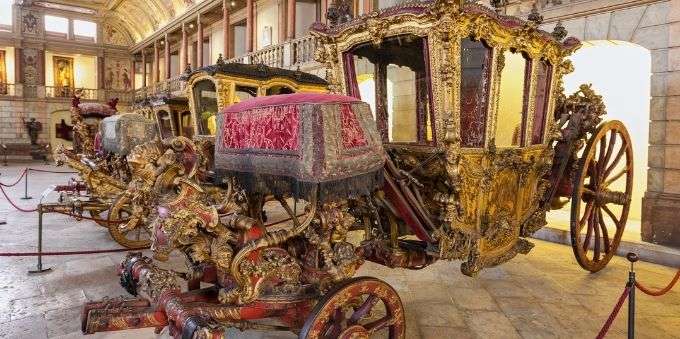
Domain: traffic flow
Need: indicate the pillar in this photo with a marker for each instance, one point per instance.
(199, 42)
(250, 25)
(282, 20)
(183, 49)
(17, 66)
(167, 56)
(290, 22)
(226, 53)
(156, 69)
(143, 68)
(101, 83)
(367, 6)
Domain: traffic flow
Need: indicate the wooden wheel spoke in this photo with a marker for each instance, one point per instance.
(610, 149)
(615, 177)
(336, 324)
(616, 160)
(605, 233)
(611, 215)
(589, 233)
(586, 214)
(379, 324)
(364, 309)
(596, 228)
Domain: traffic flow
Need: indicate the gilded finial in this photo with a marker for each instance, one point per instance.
(534, 16)
(559, 33)
(220, 60)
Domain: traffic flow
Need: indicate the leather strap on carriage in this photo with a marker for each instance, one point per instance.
(404, 200)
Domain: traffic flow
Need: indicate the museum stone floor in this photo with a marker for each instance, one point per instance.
(541, 295)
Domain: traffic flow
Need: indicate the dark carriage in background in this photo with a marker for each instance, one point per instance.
(468, 142)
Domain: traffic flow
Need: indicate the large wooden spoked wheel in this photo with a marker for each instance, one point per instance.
(601, 195)
(131, 234)
(357, 308)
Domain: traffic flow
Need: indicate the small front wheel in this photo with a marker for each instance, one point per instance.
(360, 307)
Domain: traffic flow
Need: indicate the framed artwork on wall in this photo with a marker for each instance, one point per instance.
(63, 76)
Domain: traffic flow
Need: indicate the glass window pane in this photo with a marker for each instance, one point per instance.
(392, 79)
(164, 124)
(205, 99)
(56, 24)
(275, 90)
(186, 127)
(245, 92)
(85, 29)
(474, 92)
(511, 100)
(544, 76)
(6, 12)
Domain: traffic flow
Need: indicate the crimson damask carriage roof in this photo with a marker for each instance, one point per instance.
(258, 72)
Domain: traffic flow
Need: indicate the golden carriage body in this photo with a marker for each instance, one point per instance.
(471, 143)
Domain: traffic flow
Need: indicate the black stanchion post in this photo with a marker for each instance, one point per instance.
(632, 257)
(26, 197)
(40, 268)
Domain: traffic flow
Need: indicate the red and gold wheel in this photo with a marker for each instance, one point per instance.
(360, 307)
(601, 195)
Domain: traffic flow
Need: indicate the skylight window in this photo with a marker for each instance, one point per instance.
(56, 24)
(86, 30)
(5, 13)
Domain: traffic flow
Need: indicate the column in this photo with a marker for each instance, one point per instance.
(183, 50)
(282, 20)
(250, 18)
(367, 6)
(167, 56)
(100, 72)
(324, 8)
(226, 53)
(199, 42)
(17, 66)
(290, 30)
(661, 202)
(156, 69)
(143, 68)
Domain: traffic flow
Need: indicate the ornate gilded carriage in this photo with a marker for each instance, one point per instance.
(469, 143)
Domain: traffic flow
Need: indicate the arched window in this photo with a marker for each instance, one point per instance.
(164, 124)
(205, 101)
(475, 61)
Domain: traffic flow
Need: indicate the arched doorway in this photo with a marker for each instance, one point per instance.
(619, 71)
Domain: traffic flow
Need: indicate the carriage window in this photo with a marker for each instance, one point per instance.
(474, 92)
(164, 124)
(511, 103)
(245, 92)
(392, 79)
(186, 128)
(544, 77)
(275, 90)
(205, 98)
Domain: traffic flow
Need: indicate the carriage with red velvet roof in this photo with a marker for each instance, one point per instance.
(446, 137)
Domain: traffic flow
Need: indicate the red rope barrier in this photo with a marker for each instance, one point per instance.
(15, 205)
(16, 182)
(33, 254)
(662, 291)
(615, 312)
(46, 171)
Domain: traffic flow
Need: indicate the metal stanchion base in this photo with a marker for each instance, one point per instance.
(26, 198)
(40, 270)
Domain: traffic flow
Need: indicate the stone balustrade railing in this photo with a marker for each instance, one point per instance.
(290, 54)
(63, 93)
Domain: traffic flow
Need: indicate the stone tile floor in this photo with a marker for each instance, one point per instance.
(541, 295)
